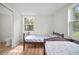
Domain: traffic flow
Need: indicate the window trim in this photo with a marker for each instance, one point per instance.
(70, 14)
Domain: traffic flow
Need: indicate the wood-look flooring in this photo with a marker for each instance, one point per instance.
(31, 49)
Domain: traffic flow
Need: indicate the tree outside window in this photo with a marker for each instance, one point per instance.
(28, 24)
(74, 23)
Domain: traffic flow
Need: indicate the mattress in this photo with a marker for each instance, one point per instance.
(61, 48)
(35, 38)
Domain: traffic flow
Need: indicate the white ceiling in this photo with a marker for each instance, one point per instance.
(37, 8)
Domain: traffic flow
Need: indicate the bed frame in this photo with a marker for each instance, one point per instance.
(58, 34)
(59, 39)
(24, 42)
(53, 39)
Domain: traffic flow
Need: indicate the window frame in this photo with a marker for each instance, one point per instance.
(71, 15)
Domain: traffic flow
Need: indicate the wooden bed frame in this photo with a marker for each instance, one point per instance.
(59, 39)
(24, 42)
(53, 39)
(58, 34)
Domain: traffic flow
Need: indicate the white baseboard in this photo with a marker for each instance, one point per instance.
(2, 40)
(16, 43)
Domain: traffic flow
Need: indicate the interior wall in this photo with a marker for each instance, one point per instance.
(5, 27)
(5, 23)
(43, 24)
(17, 28)
(0, 27)
(61, 21)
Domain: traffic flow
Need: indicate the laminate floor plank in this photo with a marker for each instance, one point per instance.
(31, 49)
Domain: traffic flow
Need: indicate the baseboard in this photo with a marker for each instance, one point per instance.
(2, 40)
(17, 43)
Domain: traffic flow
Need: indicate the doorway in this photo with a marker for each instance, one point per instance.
(6, 26)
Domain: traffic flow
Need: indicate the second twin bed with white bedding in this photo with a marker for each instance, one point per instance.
(61, 48)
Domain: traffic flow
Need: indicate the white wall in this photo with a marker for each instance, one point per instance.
(6, 30)
(0, 27)
(43, 24)
(16, 28)
(61, 21)
(5, 27)
(4, 10)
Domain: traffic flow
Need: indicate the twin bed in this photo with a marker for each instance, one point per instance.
(33, 39)
(55, 45)
(36, 38)
(61, 46)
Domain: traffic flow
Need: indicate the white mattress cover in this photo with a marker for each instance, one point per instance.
(61, 48)
(36, 38)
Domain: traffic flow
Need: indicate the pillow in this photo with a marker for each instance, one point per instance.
(53, 36)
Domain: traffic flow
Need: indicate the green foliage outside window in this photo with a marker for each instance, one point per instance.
(28, 24)
(75, 24)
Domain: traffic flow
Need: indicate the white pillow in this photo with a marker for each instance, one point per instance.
(53, 36)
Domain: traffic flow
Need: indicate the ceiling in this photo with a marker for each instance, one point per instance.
(37, 8)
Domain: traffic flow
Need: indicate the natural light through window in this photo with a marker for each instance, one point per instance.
(74, 21)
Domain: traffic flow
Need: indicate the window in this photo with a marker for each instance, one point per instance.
(74, 21)
(28, 24)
